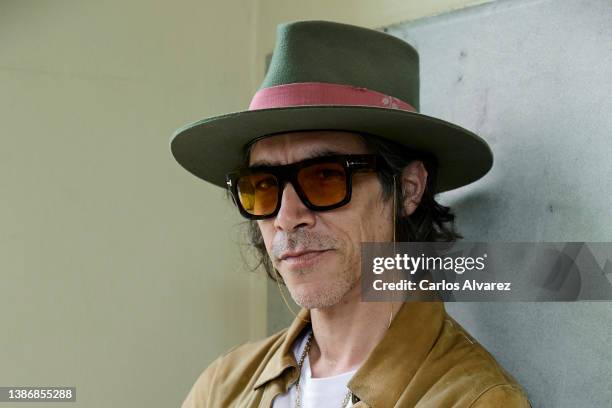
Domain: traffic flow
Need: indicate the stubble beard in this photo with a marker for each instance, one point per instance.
(328, 294)
(333, 290)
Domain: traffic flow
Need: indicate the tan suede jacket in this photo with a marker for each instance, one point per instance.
(424, 360)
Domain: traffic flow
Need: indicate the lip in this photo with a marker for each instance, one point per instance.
(300, 259)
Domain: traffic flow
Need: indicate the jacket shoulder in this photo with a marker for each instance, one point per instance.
(230, 373)
(502, 395)
(466, 374)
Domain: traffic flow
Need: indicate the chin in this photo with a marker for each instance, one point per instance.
(320, 296)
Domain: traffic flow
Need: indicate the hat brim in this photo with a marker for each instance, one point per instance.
(214, 146)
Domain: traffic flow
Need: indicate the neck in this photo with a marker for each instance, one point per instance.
(345, 333)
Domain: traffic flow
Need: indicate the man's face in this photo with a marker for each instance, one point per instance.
(318, 253)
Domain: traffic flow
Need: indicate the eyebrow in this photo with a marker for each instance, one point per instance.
(312, 155)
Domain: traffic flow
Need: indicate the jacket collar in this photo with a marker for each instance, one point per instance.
(402, 350)
(406, 343)
(283, 356)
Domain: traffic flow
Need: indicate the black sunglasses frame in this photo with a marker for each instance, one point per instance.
(289, 172)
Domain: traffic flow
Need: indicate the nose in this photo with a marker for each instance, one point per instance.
(293, 213)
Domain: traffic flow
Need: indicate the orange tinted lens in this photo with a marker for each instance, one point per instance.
(324, 184)
(258, 193)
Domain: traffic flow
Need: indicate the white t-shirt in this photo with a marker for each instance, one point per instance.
(327, 392)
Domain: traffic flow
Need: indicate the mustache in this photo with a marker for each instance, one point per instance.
(301, 240)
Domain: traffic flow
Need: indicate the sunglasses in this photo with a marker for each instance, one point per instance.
(322, 183)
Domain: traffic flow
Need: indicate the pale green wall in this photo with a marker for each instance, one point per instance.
(118, 272)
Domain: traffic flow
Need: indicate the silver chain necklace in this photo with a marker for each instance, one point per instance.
(298, 399)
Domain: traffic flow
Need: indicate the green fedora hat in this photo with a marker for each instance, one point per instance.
(331, 76)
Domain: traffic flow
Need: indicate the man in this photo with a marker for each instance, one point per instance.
(332, 153)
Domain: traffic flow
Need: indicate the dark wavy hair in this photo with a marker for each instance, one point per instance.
(430, 222)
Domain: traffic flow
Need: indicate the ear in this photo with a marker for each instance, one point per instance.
(413, 183)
